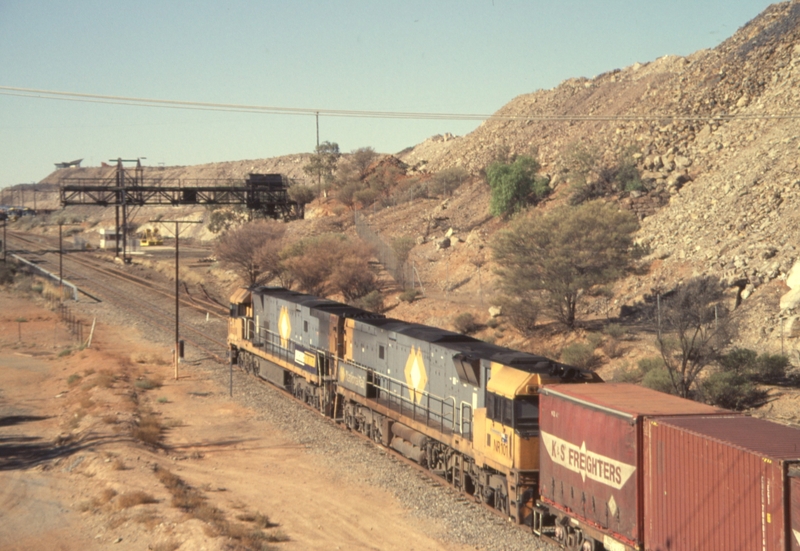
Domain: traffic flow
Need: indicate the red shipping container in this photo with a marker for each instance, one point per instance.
(591, 451)
(721, 482)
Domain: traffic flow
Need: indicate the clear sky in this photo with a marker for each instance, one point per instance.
(434, 56)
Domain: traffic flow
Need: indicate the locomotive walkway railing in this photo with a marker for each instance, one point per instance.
(433, 411)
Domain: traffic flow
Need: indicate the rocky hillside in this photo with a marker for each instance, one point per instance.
(715, 137)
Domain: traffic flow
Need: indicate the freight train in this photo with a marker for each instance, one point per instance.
(591, 467)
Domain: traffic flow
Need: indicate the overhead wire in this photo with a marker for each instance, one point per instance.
(355, 113)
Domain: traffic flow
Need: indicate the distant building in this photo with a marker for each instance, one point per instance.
(70, 164)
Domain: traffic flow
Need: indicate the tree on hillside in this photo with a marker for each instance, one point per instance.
(330, 263)
(549, 260)
(692, 326)
(322, 164)
(515, 185)
(252, 250)
(361, 159)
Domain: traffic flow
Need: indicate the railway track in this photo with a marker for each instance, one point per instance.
(151, 302)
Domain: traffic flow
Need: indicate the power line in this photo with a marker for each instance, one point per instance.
(271, 110)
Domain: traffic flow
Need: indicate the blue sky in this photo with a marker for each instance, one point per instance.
(438, 56)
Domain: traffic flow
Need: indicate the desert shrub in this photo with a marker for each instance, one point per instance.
(521, 314)
(614, 330)
(302, 194)
(626, 374)
(579, 355)
(132, 499)
(770, 368)
(7, 273)
(372, 302)
(731, 390)
(491, 323)
(658, 379)
(594, 339)
(448, 180)
(515, 185)
(646, 365)
(766, 368)
(613, 348)
(409, 295)
(148, 430)
(738, 361)
(73, 379)
(146, 383)
(465, 323)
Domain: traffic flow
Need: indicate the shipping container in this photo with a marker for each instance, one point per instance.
(591, 453)
(721, 482)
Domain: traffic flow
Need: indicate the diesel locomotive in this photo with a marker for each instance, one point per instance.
(465, 409)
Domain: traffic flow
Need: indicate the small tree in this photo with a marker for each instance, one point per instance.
(550, 259)
(322, 164)
(692, 327)
(515, 185)
(328, 264)
(361, 159)
(252, 250)
(301, 193)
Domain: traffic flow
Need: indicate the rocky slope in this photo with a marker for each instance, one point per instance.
(716, 141)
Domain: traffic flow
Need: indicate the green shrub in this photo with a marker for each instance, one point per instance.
(626, 374)
(146, 384)
(594, 339)
(658, 379)
(770, 368)
(372, 301)
(738, 361)
(614, 330)
(465, 323)
(766, 368)
(579, 355)
(409, 295)
(646, 365)
(521, 314)
(515, 185)
(731, 390)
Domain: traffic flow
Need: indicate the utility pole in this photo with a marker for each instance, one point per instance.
(319, 172)
(177, 284)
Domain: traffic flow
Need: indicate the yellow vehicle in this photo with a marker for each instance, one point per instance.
(150, 237)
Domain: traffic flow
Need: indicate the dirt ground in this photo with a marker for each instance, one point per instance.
(76, 472)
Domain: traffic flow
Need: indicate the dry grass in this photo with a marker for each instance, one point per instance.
(147, 383)
(96, 502)
(148, 430)
(194, 502)
(148, 518)
(166, 546)
(258, 519)
(132, 499)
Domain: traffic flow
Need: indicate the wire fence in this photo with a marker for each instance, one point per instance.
(402, 272)
(74, 325)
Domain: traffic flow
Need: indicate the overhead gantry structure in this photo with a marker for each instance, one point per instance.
(263, 194)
